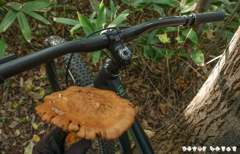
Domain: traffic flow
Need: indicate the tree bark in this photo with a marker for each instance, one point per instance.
(213, 116)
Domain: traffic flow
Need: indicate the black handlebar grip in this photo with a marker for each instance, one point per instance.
(209, 17)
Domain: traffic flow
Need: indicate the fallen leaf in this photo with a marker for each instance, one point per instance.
(13, 124)
(42, 132)
(29, 82)
(170, 100)
(43, 71)
(36, 138)
(163, 108)
(42, 94)
(21, 82)
(15, 105)
(156, 92)
(149, 133)
(29, 148)
(180, 79)
(17, 132)
(136, 86)
(14, 85)
(34, 95)
(35, 126)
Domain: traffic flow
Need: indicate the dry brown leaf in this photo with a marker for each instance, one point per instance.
(136, 86)
(36, 138)
(21, 82)
(34, 95)
(163, 108)
(149, 133)
(17, 132)
(170, 100)
(43, 71)
(180, 79)
(42, 132)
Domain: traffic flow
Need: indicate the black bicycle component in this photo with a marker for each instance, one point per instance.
(8, 58)
(121, 54)
(209, 17)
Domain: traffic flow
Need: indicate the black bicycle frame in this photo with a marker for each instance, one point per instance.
(110, 81)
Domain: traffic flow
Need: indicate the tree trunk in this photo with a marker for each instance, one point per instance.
(213, 116)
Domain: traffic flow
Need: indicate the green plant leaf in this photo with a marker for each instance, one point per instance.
(157, 8)
(170, 29)
(15, 104)
(35, 5)
(166, 2)
(120, 18)
(96, 56)
(3, 119)
(101, 17)
(152, 35)
(128, 2)
(15, 5)
(192, 36)
(8, 20)
(24, 25)
(2, 46)
(35, 15)
(163, 38)
(75, 28)
(113, 10)
(161, 51)
(197, 57)
(188, 8)
(2, 3)
(184, 55)
(62, 6)
(42, 94)
(140, 4)
(172, 52)
(149, 52)
(67, 21)
(86, 24)
(24, 120)
(180, 39)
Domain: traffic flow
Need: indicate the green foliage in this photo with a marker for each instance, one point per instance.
(2, 46)
(6, 83)
(156, 5)
(198, 57)
(15, 104)
(49, 91)
(163, 38)
(59, 72)
(24, 120)
(129, 135)
(17, 11)
(3, 119)
(105, 18)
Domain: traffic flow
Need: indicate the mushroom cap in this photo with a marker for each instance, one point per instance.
(90, 112)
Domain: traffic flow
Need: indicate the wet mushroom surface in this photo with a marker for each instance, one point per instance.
(89, 112)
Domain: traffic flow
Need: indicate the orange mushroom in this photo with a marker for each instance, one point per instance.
(89, 112)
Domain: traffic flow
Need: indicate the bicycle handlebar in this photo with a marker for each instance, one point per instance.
(99, 42)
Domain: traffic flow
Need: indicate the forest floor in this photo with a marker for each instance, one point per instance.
(157, 103)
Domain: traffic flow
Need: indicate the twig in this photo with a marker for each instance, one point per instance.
(139, 20)
(192, 68)
(225, 26)
(163, 96)
(184, 43)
